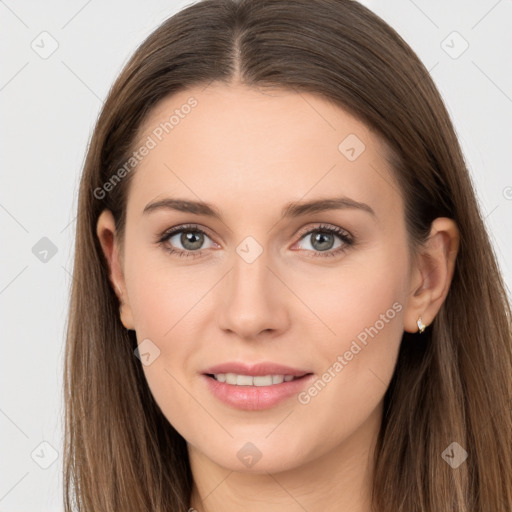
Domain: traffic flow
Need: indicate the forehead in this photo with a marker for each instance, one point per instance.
(258, 147)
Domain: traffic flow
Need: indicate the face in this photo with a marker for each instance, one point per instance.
(321, 290)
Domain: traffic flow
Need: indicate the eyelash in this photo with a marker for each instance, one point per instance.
(346, 238)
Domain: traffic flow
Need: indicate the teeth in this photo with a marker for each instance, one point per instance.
(244, 380)
(248, 380)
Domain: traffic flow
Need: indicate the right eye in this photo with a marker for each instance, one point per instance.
(190, 237)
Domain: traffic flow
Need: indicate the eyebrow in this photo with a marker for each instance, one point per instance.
(293, 209)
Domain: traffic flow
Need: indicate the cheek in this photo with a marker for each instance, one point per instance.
(355, 366)
(162, 295)
(365, 291)
(166, 310)
(169, 309)
(362, 306)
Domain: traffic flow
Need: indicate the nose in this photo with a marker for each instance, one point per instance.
(253, 300)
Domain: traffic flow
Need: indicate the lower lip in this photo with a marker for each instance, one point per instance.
(255, 398)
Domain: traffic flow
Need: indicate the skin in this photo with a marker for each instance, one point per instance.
(249, 152)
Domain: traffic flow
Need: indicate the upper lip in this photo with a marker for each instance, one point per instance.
(256, 369)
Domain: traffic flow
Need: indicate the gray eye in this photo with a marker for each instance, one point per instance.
(189, 240)
(321, 241)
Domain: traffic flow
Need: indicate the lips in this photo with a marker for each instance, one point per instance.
(255, 386)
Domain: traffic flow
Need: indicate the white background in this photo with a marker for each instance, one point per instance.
(48, 109)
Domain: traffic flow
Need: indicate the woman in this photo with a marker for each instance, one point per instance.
(284, 296)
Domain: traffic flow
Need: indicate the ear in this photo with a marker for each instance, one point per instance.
(106, 232)
(432, 273)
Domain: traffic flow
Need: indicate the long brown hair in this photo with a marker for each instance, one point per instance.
(452, 384)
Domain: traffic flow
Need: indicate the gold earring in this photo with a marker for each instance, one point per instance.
(421, 325)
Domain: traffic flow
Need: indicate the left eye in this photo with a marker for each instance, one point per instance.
(322, 239)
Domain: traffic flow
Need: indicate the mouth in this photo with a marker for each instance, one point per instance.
(255, 387)
(235, 379)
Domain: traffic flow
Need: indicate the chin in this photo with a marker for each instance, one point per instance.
(254, 455)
